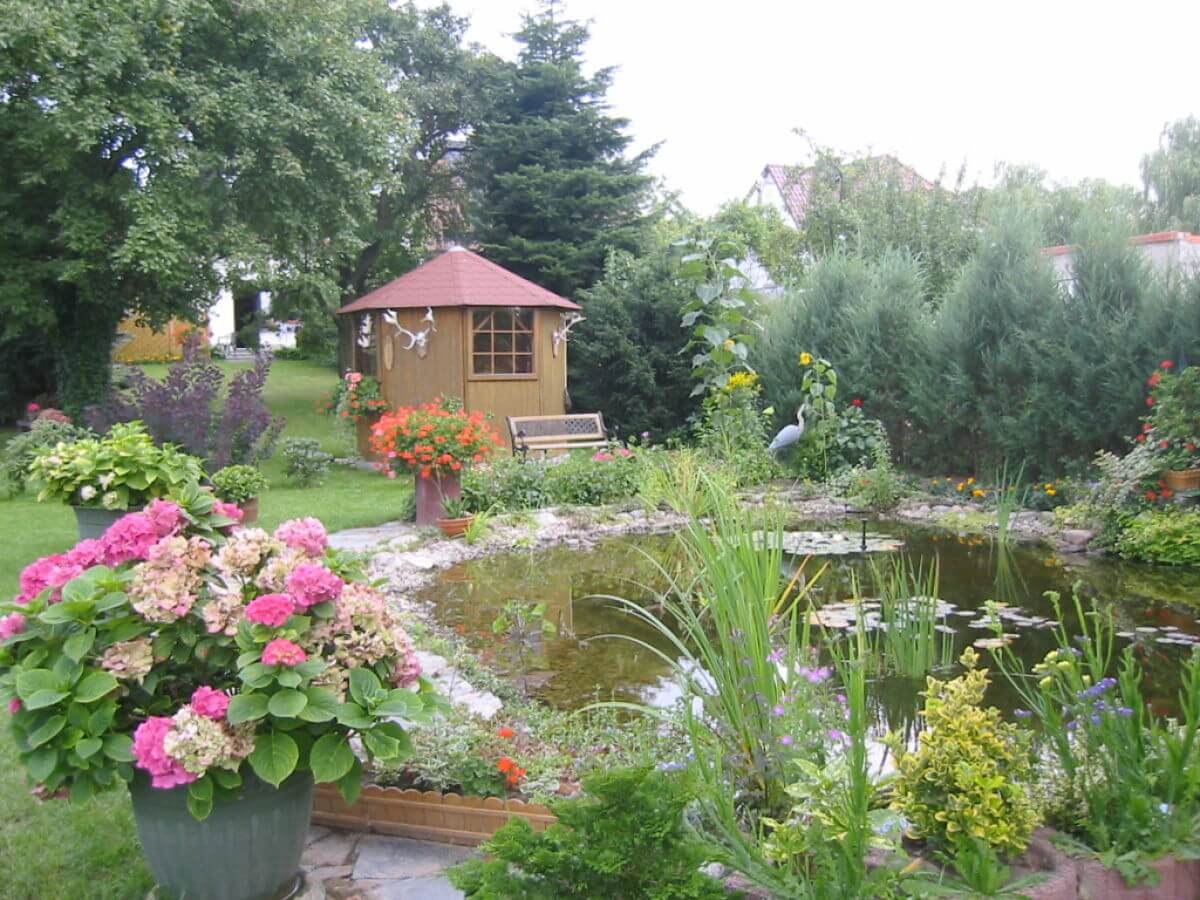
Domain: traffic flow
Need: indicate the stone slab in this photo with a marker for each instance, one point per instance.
(415, 889)
(382, 857)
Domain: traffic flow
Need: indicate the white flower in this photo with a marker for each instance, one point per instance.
(110, 500)
(106, 479)
(87, 492)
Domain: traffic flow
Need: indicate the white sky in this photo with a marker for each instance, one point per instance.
(1073, 87)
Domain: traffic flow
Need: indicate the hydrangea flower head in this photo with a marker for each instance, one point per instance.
(282, 652)
(210, 702)
(312, 583)
(10, 625)
(270, 609)
(151, 755)
(306, 534)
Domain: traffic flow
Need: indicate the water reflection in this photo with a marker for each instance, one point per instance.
(578, 666)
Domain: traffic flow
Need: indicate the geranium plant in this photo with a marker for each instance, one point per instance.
(124, 469)
(1172, 426)
(193, 651)
(356, 397)
(433, 439)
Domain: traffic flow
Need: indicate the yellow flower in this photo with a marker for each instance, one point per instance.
(806, 359)
(1049, 486)
(960, 487)
(729, 345)
(740, 380)
(970, 480)
(978, 492)
(936, 481)
(1050, 492)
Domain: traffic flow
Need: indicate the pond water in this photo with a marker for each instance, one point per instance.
(581, 663)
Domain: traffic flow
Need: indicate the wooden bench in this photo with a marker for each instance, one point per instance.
(565, 432)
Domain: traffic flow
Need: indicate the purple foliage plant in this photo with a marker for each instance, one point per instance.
(192, 407)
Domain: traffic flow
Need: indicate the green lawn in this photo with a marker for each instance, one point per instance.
(57, 850)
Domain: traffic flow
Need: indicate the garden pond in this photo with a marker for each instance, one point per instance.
(581, 662)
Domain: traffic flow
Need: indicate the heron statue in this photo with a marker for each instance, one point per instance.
(789, 435)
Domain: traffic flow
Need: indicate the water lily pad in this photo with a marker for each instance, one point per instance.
(835, 543)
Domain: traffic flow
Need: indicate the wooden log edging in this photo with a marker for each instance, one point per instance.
(424, 815)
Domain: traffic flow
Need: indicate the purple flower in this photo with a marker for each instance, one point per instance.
(778, 710)
(1023, 714)
(839, 736)
(775, 656)
(787, 740)
(1124, 711)
(645, 435)
(815, 676)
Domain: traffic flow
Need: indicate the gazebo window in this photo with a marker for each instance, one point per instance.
(502, 342)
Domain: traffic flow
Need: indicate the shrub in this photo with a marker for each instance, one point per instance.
(125, 469)
(18, 454)
(968, 775)
(1163, 536)
(237, 484)
(734, 429)
(581, 479)
(879, 488)
(624, 838)
(305, 461)
(356, 397)
(194, 408)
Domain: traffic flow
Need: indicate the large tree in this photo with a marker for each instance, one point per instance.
(554, 190)
(155, 147)
(1171, 178)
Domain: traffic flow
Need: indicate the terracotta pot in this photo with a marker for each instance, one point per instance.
(426, 815)
(1183, 479)
(453, 528)
(250, 511)
(430, 492)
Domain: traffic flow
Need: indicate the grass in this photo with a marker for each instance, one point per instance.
(91, 851)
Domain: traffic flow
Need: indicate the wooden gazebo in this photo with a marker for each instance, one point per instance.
(462, 326)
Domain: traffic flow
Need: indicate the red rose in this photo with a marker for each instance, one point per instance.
(1147, 428)
(856, 402)
(1149, 401)
(1141, 438)
(1166, 364)
(1164, 444)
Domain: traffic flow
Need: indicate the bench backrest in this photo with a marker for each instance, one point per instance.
(535, 430)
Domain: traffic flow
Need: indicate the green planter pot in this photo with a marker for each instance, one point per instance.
(93, 521)
(247, 849)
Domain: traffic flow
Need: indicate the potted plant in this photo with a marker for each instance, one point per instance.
(103, 478)
(1172, 428)
(435, 442)
(456, 518)
(219, 676)
(358, 401)
(241, 486)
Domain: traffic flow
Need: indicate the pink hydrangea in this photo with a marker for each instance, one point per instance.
(130, 537)
(270, 609)
(210, 702)
(12, 624)
(48, 572)
(312, 583)
(151, 756)
(86, 553)
(14, 706)
(166, 516)
(228, 510)
(304, 534)
(282, 652)
(602, 456)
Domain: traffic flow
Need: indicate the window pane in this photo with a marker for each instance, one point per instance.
(524, 365)
(524, 343)
(523, 320)
(483, 364)
(483, 342)
(482, 320)
(502, 320)
(504, 365)
(504, 342)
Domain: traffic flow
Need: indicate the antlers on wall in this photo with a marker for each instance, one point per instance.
(417, 339)
(561, 333)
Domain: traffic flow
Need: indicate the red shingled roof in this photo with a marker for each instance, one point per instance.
(795, 183)
(458, 277)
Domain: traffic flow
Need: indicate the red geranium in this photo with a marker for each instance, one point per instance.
(1166, 364)
(856, 402)
(1151, 496)
(409, 438)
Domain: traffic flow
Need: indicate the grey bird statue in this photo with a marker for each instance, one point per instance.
(789, 434)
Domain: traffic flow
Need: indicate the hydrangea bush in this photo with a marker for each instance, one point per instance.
(193, 650)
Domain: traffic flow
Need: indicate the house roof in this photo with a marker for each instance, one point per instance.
(458, 277)
(1157, 237)
(795, 183)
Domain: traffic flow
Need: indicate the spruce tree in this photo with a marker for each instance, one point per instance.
(553, 189)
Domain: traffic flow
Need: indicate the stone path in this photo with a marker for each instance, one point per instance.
(351, 865)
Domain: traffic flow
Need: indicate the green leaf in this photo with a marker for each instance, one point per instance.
(110, 601)
(382, 746)
(58, 614)
(42, 699)
(200, 799)
(289, 679)
(287, 704)
(82, 789)
(274, 758)
(30, 681)
(47, 730)
(89, 747)
(226, 778)
(247, 708)
(400, 703)
(94, 686)
(41, 763)
(331, 758)
(256, 675)
(77, 645)
(322, 705)
(350, 785)
(354, 716)
(119, 747)
(364, 684)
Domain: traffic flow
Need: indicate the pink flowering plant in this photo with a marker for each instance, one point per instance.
(189, 651)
